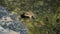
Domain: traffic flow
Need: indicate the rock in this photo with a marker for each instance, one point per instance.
(13, 32)
(6, 18)
(3, 12)
(3, 31)
(15, 26)
(10, 26)
(14, 16)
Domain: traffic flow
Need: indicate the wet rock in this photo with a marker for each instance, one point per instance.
(3, 31)
(14, 16)
(9, 25)
(13, 32)
(16, 26)
(3, 12)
